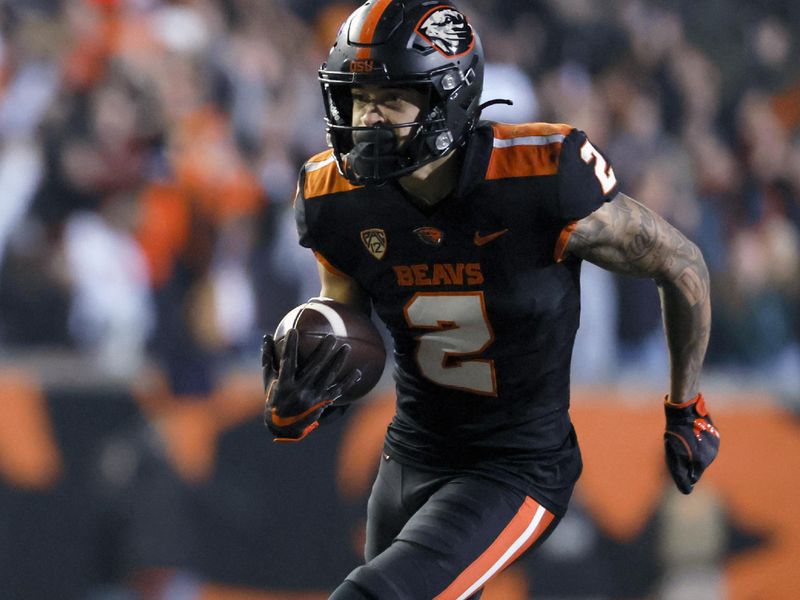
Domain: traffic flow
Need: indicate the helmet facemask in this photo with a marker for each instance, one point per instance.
(370, 155)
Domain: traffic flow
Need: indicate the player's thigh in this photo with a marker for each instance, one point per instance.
(398, 492)
(386, 514)
(469, 530)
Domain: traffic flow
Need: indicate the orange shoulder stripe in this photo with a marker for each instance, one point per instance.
(322, 177)
(526, 150)
(506, 131)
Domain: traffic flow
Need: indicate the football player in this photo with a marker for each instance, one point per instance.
(466, 237)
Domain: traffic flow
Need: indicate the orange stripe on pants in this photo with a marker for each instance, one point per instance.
(521, 532)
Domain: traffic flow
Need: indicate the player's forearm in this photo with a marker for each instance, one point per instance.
(686, 308)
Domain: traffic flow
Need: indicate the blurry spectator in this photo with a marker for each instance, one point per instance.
(199, 212)
(34, 290)
(761, 307)
(29, 82)
(112, 311)
(772, 46)
(505, 78)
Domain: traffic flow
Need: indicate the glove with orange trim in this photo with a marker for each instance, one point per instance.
(691, 441)
(298, 395)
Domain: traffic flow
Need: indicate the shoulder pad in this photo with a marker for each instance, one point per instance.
(322, 177)
(526, 150)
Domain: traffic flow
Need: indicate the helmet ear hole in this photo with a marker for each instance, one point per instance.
(443, 141)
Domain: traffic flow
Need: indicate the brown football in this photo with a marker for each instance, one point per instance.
(319, 317)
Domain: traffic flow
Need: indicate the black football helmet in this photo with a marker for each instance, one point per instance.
(425, 44)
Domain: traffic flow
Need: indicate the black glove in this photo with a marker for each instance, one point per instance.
(691, 441)
(297, 395)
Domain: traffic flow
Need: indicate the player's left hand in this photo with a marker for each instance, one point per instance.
(691, 441)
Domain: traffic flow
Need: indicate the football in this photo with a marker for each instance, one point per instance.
(319, 317)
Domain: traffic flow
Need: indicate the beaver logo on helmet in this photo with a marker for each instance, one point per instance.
(447, 30)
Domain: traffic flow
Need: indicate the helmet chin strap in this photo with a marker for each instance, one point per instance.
(486, 105)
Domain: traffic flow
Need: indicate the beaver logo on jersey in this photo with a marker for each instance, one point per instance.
(430, 235)
(375, 241)
(447, 30)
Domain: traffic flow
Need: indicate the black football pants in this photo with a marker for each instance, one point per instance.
(434, 536)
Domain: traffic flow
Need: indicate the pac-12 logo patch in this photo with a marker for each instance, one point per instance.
(447, 30)
(375, 242)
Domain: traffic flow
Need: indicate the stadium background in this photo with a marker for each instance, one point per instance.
(148, 156)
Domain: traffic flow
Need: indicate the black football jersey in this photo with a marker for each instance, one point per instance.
(482, 308)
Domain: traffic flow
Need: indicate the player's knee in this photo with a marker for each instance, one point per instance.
(350, 591)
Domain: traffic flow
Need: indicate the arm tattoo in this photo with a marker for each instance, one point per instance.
(628, 238)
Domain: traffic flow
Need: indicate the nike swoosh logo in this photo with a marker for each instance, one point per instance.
(482, 240)
(280, 421)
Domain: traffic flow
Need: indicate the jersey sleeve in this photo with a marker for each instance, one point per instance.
(300, 217)
(585, 178)
(307, 220)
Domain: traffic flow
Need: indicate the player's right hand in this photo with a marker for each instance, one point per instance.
(691, 441)
(297, 395)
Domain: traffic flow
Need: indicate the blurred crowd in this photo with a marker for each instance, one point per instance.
(149, 151)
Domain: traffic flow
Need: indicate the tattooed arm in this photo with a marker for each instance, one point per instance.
(626, 237)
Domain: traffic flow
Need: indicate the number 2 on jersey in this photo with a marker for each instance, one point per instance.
(602, 170)
(459, 327)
